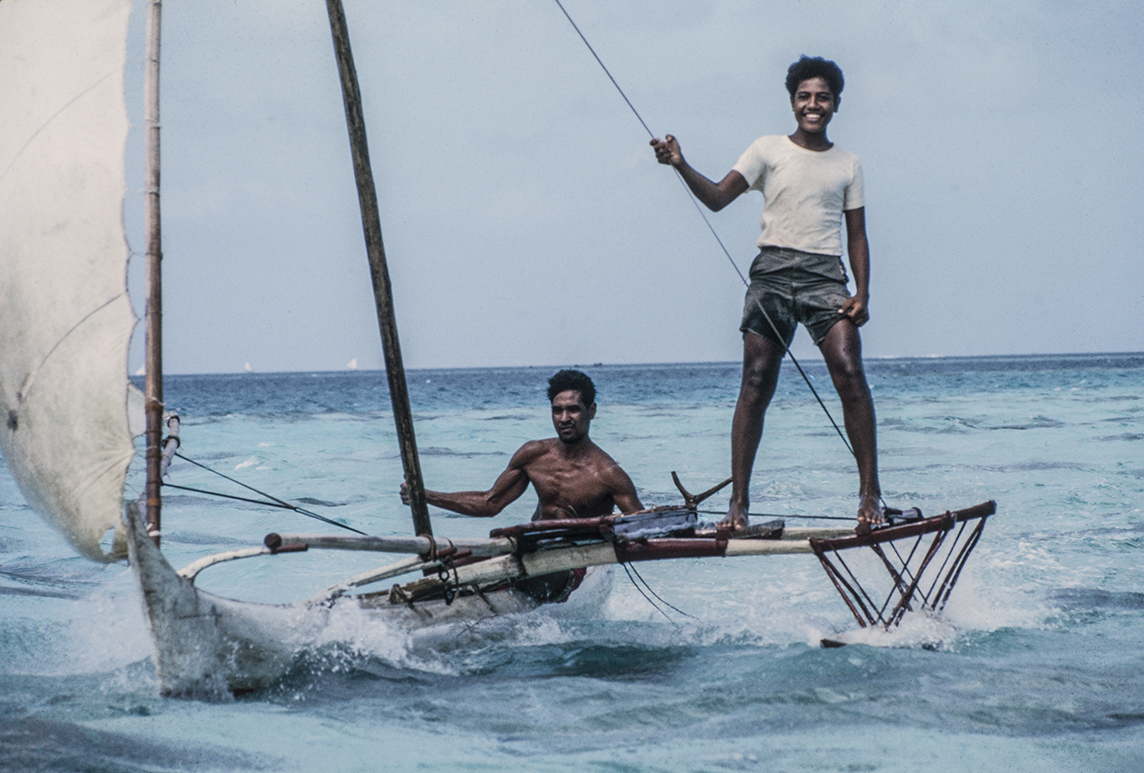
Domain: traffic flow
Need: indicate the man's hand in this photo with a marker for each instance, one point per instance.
(667, 150)
(855, 309)
(404, 494)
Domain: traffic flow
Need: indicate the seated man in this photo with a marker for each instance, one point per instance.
(573, 478)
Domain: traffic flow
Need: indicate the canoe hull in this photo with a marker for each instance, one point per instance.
(208, 646)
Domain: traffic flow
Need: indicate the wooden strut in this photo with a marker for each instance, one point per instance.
(694, 500)
(383, 294)
(908, 582)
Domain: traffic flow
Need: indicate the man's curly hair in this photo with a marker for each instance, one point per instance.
(564, 380)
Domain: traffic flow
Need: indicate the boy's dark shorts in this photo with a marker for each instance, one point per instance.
(793, 287)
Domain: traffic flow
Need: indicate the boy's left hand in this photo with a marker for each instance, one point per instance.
(856, 310)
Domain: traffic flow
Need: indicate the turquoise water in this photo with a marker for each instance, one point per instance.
(1036, 664)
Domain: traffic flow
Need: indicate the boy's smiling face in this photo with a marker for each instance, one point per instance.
(814, 104)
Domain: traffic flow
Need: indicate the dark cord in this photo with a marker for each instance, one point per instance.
(661, 599)
(762, 515)
(274, 501)
(646, 597)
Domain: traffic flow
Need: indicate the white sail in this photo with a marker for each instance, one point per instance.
(65, 317)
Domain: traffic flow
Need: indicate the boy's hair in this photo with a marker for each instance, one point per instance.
(814, 67)
(572, 379)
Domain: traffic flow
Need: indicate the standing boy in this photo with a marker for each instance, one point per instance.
(809, 187)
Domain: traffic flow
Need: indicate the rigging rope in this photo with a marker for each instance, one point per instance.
(711, 228)
(274, 501)
(808, 517)
(629, 569)
(652, 592)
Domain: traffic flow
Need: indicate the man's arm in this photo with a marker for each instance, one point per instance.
(623, 490)
(858, 248)
(714, 195)
(508, 487)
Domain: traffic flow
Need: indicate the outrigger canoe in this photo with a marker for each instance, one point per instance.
(65, 324)
(207, 644)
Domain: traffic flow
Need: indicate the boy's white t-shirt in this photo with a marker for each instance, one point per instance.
(805, 192)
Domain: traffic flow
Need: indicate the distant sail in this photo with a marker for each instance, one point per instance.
(136, 411)
(352, 364)
(247, 368)
(65, 318)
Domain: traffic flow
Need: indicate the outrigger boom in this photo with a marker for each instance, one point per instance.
(921, 578)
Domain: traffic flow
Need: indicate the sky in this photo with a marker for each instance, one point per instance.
(526, 221)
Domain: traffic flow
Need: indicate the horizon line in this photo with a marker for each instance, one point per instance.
(881, 358)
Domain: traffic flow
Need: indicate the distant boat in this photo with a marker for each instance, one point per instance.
(352, 364)
(247, 368)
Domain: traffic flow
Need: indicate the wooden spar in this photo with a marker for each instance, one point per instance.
(153, 385)
(510, 567)
(431, 554)
(418, 545)
(791, 541)
(383, 295)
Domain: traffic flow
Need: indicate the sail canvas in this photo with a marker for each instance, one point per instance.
(65, 316)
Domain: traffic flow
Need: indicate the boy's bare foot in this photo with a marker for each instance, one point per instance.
(736, 519)
(869, 512)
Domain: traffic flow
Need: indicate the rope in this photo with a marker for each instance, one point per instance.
(660, 598)
(641, 590)
(601, 61)
(759, 515)
(711, 228)
(274, 501)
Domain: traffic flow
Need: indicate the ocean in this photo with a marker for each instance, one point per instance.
(1036, 664)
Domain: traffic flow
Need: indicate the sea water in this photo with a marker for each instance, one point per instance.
(1035, 665)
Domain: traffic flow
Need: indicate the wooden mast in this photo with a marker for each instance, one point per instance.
(153, 357)
(383, 295)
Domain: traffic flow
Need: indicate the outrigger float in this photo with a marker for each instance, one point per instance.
(65, 325)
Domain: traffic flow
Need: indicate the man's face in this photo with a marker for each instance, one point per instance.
(570, 416)
(814, 104)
